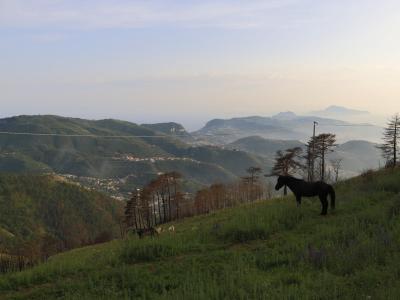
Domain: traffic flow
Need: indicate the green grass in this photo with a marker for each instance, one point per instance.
(267, 250)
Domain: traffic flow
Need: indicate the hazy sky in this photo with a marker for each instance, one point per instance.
(189, 61)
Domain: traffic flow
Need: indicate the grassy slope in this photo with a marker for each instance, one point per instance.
(264, 250)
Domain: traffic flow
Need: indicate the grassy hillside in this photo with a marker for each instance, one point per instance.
(129, 149)
(267, 250)
(40, 215)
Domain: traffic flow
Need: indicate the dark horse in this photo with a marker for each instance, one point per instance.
(302, 188)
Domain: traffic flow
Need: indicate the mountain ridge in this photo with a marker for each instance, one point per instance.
(114, 149)
(283, 126)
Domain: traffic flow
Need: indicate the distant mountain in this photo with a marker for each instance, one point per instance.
(113, 149)
(263, 147)
(44, 215)
(334, 109)
(288, 115)
(345, 114)
(283, 126)
(358, 156)
(221, 131)
(353, 116)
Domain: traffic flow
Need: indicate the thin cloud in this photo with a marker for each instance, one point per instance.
(93, 14)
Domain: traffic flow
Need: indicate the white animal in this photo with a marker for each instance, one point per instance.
(171, 228)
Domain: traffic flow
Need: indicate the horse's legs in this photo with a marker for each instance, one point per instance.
(298, 199)
(324, 202)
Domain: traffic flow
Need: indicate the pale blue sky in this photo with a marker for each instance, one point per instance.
(189, 61)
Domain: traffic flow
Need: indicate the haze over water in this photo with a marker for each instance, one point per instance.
(190, 61)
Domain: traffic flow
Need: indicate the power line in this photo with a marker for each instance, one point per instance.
(348, 125)
(148, 136)
(87, 135)
(104, 136)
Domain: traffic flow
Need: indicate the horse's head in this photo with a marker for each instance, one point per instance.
(280, 183)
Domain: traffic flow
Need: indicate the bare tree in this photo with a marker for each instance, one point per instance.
(252, 182)
(219, 196)
(391, 137)
(175, 192)
(131, 216)
(201, 201)
(254, 173)
(158, 202)
(336, 165)
(308, 157)
(324, 144)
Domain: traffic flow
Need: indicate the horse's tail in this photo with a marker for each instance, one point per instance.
(332, 194)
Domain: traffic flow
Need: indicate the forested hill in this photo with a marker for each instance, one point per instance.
(113, 149)
(41, 215)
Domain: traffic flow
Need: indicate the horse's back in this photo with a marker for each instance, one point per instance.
(311, 189)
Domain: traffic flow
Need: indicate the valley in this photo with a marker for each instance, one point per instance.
(117, 157)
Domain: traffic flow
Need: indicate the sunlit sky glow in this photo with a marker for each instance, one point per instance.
(189, 61)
